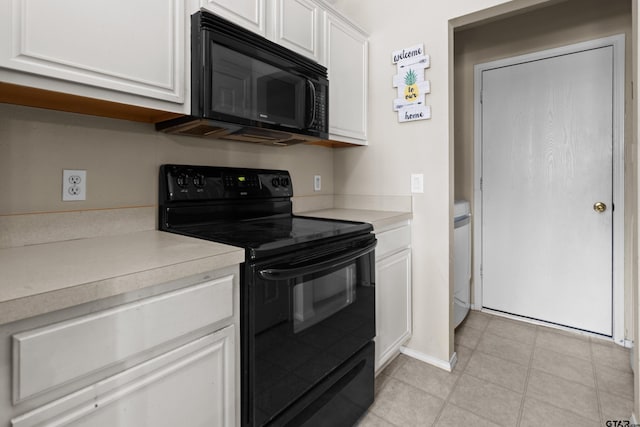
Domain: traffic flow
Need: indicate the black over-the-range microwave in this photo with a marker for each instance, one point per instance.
(247, 88)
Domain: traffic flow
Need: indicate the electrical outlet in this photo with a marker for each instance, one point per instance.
(317, 183)
(74, 185)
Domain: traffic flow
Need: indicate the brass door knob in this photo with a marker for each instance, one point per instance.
(599, 207)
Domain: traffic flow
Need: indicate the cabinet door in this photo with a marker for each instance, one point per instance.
(130, 47)
(193, 385)
(246, 13)
(297, 27)
(347, 61)
(393, 304)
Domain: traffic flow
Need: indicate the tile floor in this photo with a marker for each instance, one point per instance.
(509, 373)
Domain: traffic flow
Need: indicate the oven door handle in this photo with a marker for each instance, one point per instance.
(290, 273)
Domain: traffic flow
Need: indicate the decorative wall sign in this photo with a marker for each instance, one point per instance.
(412, 87)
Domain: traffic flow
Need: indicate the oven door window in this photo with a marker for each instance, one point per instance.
(318, 298)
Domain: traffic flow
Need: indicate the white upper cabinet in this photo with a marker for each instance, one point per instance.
(297, 26)
(250, 14)
(136, 53)
(104, 50)
(347, 60)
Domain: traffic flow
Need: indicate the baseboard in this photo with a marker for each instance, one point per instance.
(438, 363)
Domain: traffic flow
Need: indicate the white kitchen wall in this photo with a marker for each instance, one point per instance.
(122, 160)
(396, 150)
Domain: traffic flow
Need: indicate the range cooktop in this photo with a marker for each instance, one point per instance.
(274, 234)
(249, 208)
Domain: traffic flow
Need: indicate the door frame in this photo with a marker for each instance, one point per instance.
(617, 42)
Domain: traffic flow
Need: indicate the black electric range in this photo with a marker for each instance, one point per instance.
(307, 292)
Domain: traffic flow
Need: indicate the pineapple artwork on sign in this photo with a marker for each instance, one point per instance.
(412, 87)
(411, 90)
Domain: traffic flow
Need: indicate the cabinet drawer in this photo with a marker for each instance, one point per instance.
(393, 240)
(56, 354)
(193, 384)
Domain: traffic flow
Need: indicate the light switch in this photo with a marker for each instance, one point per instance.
(417, 183)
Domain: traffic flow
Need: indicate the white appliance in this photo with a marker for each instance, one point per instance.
(461, 261)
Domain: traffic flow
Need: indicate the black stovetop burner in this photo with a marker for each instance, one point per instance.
(271, 235)
(249, 208)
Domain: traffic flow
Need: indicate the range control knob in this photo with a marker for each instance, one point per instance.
(284, 181)
(182, 180)
(275, 181)
(199, 180)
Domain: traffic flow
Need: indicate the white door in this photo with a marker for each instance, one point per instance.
(547, 129)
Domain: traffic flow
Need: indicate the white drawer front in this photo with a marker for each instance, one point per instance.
(191, 385)
(56, 354)
(393, 240)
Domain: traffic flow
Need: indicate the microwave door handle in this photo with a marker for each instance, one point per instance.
(291, 273)
(313, 91)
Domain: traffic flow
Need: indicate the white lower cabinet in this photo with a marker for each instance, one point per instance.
(166, 359)
(191, 385)
(393, 292)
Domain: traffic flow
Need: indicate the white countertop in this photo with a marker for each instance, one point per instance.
(379, 219)
(38, 279)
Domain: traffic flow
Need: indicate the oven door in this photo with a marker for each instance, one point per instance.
(307, 317)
